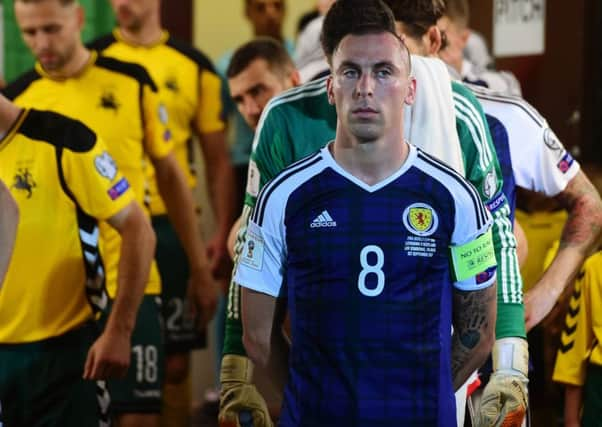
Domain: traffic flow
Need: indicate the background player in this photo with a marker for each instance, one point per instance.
(190, 90)
(258, 71)
(579, 359)
(119, 101)
(49, 341)
(325, 228)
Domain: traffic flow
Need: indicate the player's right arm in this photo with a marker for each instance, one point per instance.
(580, 237)
(93, 180)
(9, 219)
(109, 357)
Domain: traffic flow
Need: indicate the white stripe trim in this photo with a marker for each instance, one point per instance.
(473, 119)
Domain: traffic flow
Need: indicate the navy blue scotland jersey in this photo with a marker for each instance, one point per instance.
(369, 287)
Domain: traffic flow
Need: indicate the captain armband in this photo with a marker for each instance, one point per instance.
(473, 264)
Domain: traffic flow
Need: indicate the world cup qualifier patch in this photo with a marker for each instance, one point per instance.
(421, 220)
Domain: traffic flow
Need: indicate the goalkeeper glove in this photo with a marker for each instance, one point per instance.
(505, 398)
(240, 402)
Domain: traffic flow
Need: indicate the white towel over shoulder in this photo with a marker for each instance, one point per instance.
(430, 123)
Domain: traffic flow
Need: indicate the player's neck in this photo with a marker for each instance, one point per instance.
(370, 162)
(147, 35)
(76, 64)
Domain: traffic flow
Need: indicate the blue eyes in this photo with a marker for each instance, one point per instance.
(354, 74)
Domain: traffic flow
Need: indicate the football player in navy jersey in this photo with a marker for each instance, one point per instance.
(376, 248)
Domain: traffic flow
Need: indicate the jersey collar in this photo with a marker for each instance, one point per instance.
(331, 162)
(91, 61)
(161, 40)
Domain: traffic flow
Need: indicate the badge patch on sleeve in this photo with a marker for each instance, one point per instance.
(473, 258)
(252, 252)
(118, 189)
(253, 179)
(105, 165)
(565, 163)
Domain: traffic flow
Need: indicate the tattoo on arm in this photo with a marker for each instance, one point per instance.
(584, 224)
(474, 321)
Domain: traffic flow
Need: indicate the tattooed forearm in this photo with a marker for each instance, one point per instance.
(474, 325)
(584, 224)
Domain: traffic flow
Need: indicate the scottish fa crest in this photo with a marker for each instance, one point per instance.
(420, 219)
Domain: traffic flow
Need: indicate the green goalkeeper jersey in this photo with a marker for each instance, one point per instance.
(300, 121)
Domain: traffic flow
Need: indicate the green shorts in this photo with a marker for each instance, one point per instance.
(41, 383)
(592, 397)
(181, 332)
(141, 389)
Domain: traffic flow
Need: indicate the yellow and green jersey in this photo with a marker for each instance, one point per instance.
(189, 88)
(580, 339)
(118, 101)
(63, 180)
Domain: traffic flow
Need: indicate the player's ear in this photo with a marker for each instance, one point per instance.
(433, 36)
(329, 90)
(411, 93)
(81, 16)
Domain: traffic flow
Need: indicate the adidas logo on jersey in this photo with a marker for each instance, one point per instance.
(323, 220)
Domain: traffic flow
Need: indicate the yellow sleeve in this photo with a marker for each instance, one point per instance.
(210, 111)
(158, 137)
(577, 339)
(95, 181)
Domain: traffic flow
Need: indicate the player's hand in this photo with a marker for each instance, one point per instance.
(239, 399)
(109, 357)
(219, 259)
(202, 294)
(539, 301)
(505, 398)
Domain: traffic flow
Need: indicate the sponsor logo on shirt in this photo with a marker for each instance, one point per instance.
(23, 180)
(420, 219)
(498, 201)
(105, 165)
(565, 163)
(323, 220)
(118, 189)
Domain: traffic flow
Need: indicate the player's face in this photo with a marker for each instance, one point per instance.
(369, 85)
(252, 88)
(131, 14)
(50, 30)
(266, 16)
